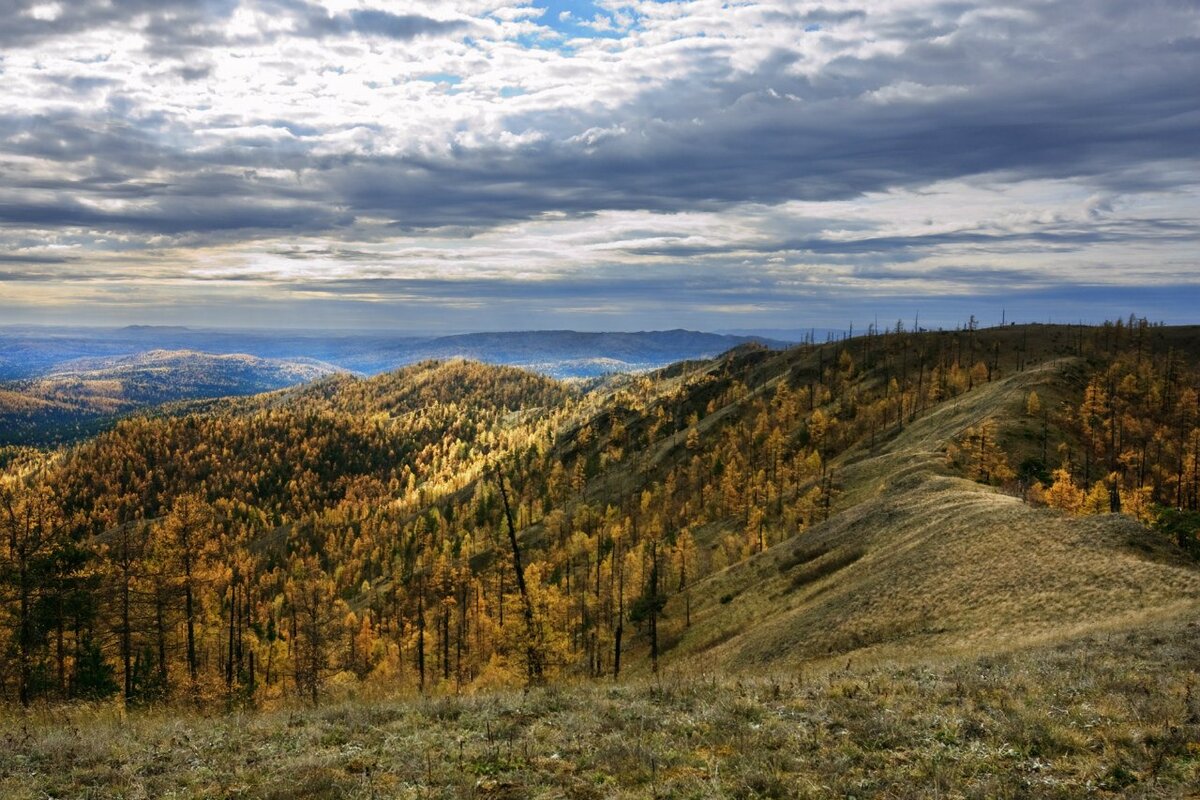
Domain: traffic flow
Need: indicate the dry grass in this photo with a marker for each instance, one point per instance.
(922, 559)
(1110, 715)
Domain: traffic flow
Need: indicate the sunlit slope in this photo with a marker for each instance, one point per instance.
(920, 562)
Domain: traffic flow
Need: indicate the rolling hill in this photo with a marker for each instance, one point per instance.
(29, 352)
(868, 567)
(565, 354)
(79, 396)
(922, 560)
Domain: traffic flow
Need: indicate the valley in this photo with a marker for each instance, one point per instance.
(84, 396)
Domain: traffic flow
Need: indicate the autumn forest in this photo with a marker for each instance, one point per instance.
(453, 526)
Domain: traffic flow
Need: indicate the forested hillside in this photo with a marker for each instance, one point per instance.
(456, 526)
(78, 398)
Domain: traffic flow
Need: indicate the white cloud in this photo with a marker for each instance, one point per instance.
(45, 12)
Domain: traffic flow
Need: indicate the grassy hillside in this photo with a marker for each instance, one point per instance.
(922, 560)
(1106, 715)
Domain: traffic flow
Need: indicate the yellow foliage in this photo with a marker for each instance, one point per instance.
(1033, 404)
(1064, 494)
(1096, 501)
(1138, 503)
(499, 673)
(979, 451)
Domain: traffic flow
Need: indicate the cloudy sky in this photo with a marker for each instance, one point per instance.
(469, 165)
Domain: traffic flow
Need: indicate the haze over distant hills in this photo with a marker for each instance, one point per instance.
(30, 351)
(74, 398)
(59, 384)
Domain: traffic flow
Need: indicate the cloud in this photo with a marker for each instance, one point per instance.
(205, 129)
(374, 22)
(28, 22)
(18, 258)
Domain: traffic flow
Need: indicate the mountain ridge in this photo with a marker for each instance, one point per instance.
(28, 352)
(77, 397)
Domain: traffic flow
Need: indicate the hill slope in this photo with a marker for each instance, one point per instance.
(76, 396)
(834, 607)
(765, 506)
(924, 561)
(29, 352)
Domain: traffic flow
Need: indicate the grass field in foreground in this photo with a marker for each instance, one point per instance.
(1108, 715)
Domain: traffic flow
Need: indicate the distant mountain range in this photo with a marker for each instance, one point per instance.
(27, 352)
(565, 354)
(72, 398)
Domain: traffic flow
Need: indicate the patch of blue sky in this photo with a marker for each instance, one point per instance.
(441, 77)
(446, 80)
(578, 19)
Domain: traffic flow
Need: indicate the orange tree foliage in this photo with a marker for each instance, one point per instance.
(353, 530)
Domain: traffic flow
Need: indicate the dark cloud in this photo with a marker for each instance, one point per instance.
(816, 16)
(775, 136)
(176, 216)
(82, 84)
(178, 28)
(1067, 237)
(196, 73)
(382, 23)
(312, 20)
(18, 258)
(177, 18)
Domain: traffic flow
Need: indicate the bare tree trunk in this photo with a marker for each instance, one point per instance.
(229, 654)
(421, 641)
(126, 637)
(654, 607)
(619, 567)
(161, 631)
(533, 654)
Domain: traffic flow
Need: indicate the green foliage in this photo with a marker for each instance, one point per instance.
(94, 678)
(147, 684)
(1181, 526)
(645, 605)
(1034, 469)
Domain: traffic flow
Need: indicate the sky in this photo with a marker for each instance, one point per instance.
(602, 165)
